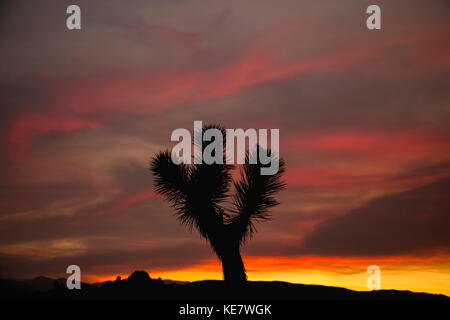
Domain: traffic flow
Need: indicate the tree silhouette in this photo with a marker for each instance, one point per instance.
(202, 199)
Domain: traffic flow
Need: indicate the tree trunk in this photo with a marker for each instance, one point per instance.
(233, 267)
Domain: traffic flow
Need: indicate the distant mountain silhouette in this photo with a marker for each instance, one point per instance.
(140, 285)
(19, 288)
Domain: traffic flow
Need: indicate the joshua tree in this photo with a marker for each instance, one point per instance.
(202, 199)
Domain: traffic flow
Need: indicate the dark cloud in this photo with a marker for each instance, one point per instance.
(405, 223)
(146, 220)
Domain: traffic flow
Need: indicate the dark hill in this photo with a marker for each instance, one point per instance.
(140, 286)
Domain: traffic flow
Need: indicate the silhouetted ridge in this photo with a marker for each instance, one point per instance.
(139, 285)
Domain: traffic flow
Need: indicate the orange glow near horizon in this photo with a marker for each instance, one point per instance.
(417, 274)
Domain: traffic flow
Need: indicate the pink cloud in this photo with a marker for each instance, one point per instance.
(158, 93)
(127, 202)
(394, 145)
(27, 125)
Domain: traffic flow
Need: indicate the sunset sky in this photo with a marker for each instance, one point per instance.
(364, 128)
